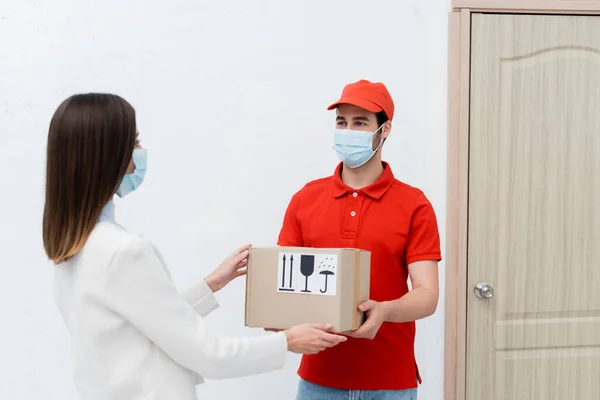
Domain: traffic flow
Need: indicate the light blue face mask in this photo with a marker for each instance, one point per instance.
(354, 148)
(132, 181)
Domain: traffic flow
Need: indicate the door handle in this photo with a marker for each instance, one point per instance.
(484, 291)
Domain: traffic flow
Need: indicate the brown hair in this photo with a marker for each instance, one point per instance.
(90, 143)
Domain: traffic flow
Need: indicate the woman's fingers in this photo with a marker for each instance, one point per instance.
(332, 339)
(324, 345)
(322, 327)
(241, 272)
(242, 249)
(238, 258)
(323, 339)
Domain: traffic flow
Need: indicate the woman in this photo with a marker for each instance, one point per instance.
(133, 335)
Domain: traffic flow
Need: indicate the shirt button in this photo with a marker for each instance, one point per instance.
(352, 213)
(354, 194)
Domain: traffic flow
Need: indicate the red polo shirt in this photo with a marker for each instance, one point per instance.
(397, 224)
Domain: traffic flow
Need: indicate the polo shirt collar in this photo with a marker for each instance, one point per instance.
(375, 190)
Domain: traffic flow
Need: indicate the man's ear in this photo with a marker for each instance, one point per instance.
(386, 129)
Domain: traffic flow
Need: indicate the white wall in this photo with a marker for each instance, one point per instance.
(230, 98)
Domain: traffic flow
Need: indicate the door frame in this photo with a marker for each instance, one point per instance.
(457, 167)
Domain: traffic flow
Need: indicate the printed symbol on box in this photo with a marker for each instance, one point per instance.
(316, 274)
(327, 267)
(307, 268)
(283, 281)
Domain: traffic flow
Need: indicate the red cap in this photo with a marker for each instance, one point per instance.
(373, 97)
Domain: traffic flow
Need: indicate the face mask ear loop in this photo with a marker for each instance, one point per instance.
(380, 140)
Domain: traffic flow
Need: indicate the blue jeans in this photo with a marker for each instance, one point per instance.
(310, 391)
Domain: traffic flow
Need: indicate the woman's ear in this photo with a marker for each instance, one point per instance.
(130, 167)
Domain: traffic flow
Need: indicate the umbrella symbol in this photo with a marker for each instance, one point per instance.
(326, 273)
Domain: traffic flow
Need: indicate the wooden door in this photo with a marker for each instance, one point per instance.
(534, 208)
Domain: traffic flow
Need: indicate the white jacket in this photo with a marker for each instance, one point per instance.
(134, 336)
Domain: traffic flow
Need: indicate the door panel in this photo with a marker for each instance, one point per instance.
(534, 208)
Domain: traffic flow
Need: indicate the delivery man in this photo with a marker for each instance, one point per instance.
(363, 206)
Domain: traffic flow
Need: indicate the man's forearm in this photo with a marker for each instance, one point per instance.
(416, 304)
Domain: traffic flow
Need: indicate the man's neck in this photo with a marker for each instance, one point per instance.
(363, 176)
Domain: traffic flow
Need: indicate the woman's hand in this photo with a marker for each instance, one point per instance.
(232, 267)
(311, 338)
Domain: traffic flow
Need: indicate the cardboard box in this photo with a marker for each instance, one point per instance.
(287, 286)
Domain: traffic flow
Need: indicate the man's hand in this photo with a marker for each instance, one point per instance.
(376, 314)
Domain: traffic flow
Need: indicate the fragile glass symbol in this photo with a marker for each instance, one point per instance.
(307, 268)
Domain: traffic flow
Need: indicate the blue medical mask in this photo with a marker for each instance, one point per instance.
(354, 148)
(132, 181)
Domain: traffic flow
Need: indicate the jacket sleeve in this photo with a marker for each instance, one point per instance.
(139, 288)
(201, 298)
